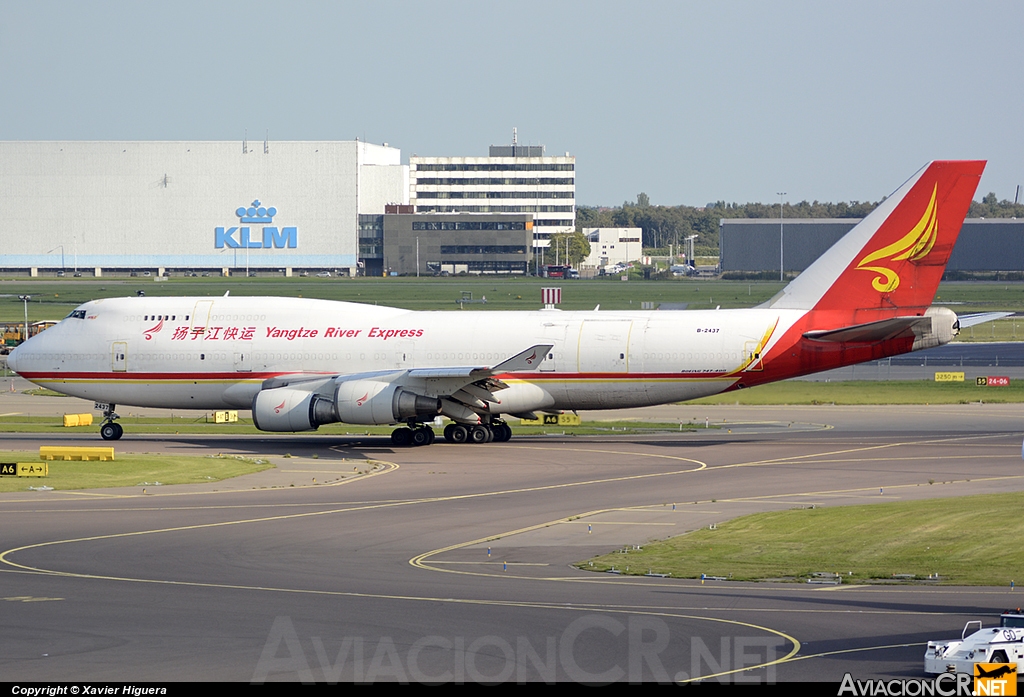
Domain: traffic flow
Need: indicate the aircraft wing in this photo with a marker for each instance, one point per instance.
(525, 360)
(467, 391)
(460, 392)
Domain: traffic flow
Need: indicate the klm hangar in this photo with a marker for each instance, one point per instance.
(224, 207)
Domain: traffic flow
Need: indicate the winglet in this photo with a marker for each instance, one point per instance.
(530, 359)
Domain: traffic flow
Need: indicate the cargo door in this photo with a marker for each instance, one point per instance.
(242, 357)
(200, 317)
(554, 333)
(604, 346)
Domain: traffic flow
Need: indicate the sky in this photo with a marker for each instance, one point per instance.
(687, 102)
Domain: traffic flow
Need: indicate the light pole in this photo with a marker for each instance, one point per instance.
(25, 299)
(782, 253)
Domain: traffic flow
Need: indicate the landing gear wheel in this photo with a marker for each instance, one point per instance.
(111, 431)
(502, 433)
(459, 434)
(422, 436)
(401, 437)
(480, 434)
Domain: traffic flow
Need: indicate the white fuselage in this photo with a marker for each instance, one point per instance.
(214, 353)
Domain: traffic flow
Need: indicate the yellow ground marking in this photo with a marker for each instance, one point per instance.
(496, 563)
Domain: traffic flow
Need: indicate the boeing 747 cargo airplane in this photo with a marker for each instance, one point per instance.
(299, 364)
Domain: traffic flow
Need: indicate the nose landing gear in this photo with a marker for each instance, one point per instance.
(109, 429)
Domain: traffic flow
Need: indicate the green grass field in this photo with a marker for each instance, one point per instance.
(966, 541)
(871, 392)
(53, 298)
(130, 470)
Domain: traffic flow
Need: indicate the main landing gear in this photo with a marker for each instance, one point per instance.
(110, 429)
(417, 435)
(420, 434)
(496, 431)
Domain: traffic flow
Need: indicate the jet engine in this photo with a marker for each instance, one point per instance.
(373, 402)
(290, 409)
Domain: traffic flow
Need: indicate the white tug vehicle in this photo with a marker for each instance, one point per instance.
(1002, 644)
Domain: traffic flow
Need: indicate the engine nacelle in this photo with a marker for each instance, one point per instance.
(373, 402)
(945, 326)
(287, 409)
(290, 409)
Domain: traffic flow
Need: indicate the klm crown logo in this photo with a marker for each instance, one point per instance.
(272, 238)
(256, 213)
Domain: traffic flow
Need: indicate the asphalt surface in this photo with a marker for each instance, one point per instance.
(980, 359)
(454, 563)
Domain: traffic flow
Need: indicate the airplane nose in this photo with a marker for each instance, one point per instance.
(12, 359)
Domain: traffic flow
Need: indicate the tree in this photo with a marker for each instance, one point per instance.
(643, 200)
(576, 243)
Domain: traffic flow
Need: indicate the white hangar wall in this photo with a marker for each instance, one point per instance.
(122, 205)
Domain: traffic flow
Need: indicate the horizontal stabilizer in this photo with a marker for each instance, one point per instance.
(871, 332)
(981, 318)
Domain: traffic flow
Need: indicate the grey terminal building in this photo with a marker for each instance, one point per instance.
(753, 245)
(430, 244)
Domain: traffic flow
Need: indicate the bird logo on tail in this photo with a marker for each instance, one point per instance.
(913, 246)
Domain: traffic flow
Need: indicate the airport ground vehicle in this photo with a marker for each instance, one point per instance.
(1002, 644)
(300, 363)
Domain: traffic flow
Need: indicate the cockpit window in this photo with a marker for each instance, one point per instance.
(77, 314)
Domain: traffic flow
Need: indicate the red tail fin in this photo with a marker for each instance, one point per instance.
(892, 261)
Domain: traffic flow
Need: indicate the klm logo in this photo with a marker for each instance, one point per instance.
(273, 237)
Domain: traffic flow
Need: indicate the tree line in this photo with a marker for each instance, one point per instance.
(671, 225)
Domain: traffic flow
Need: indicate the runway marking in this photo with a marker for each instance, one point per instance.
(4, 556)
(881, 446)
(496, 563)
(29, 599)
(619, 522)
(386, 468)
(860, 649)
